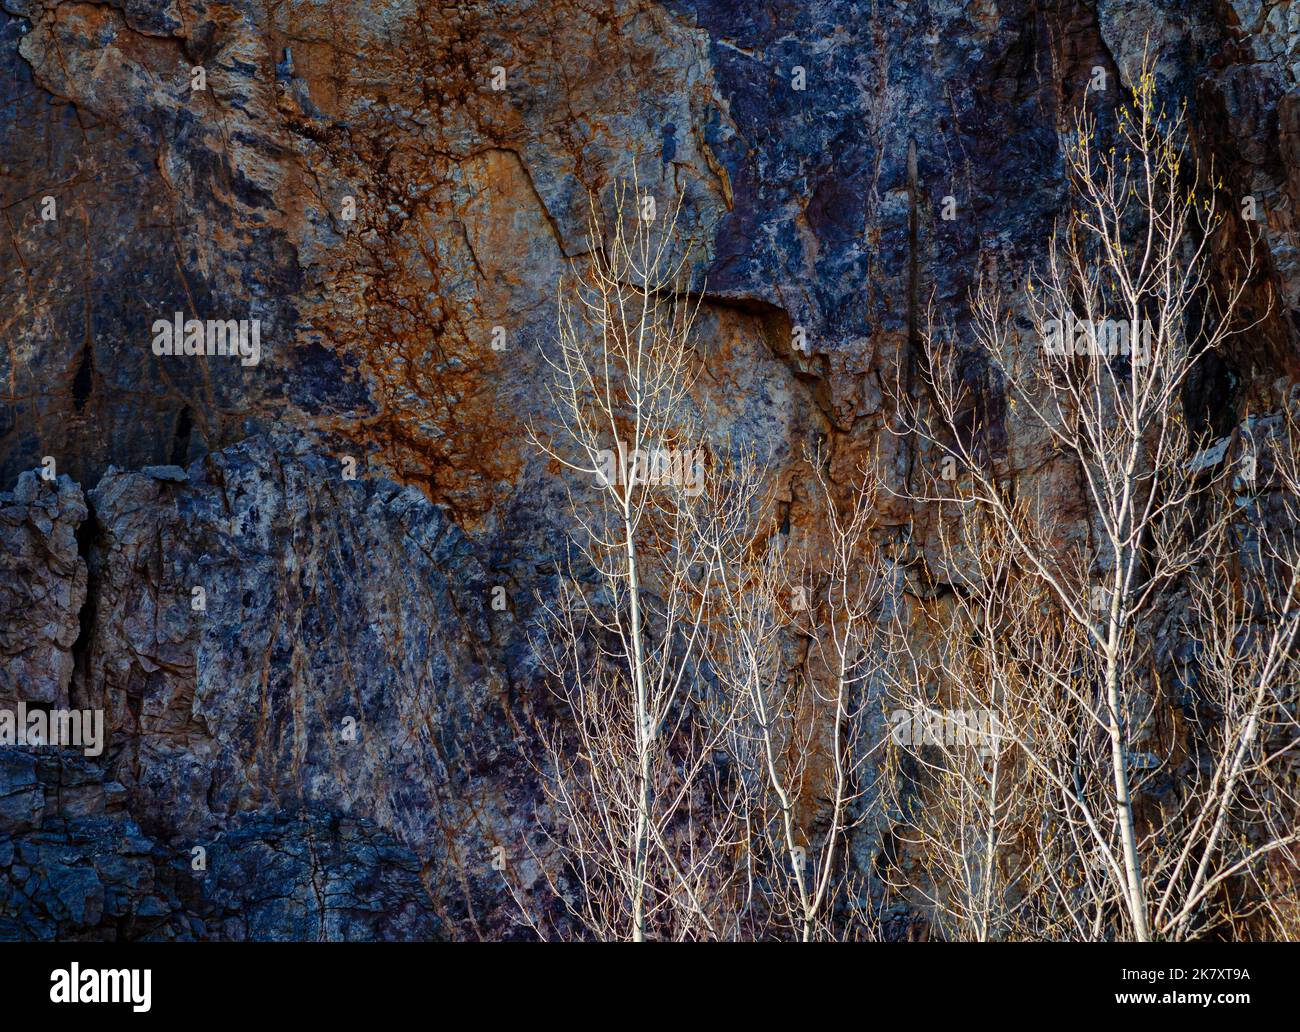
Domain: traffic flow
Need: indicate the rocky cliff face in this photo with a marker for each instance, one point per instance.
(275, 579)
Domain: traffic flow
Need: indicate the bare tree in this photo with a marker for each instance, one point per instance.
(713, 771)
(649, 842)
(967, 808)
(794, 646)
(1124, 311)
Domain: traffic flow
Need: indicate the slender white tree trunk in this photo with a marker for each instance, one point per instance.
(644, 733)
(1124, 805)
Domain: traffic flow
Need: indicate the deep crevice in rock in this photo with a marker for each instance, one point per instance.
(84, 379)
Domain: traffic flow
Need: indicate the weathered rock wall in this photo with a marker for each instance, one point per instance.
(328, 598)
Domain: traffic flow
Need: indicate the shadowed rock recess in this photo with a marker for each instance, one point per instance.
(347, 504)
